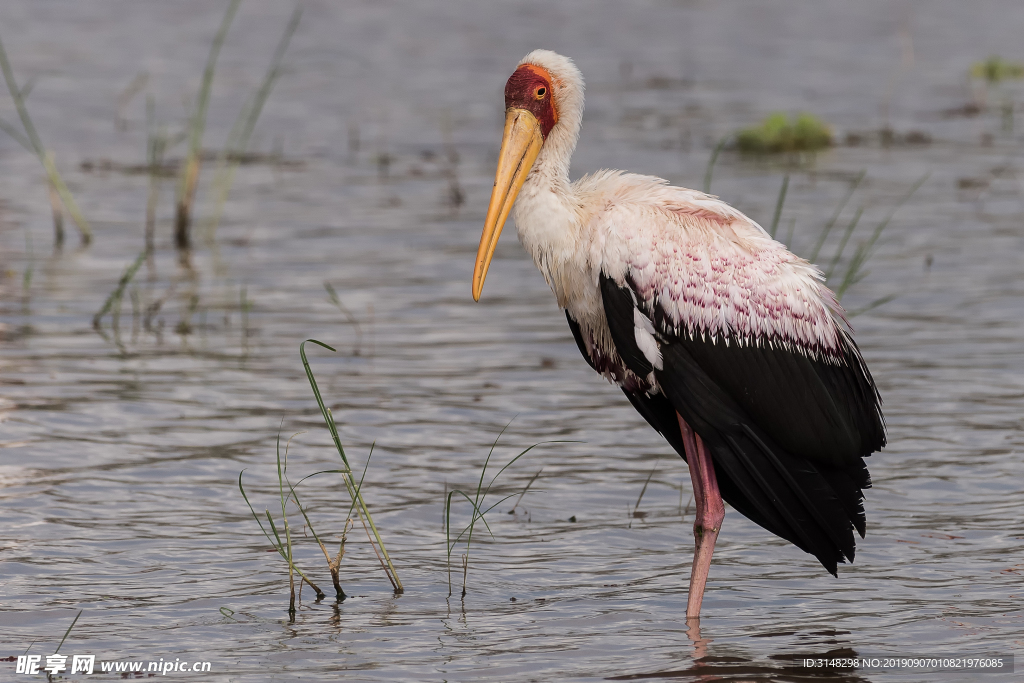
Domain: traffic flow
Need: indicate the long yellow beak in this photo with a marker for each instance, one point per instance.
(520, 146)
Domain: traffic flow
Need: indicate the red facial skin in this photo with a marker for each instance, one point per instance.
(529, 88)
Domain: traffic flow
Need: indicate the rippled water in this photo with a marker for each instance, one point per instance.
(121, 450)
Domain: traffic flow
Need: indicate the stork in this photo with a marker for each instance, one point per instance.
(726, 343)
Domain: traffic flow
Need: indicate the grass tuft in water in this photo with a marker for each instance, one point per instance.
(777, 134)
(354, 490)
(813, 257)
(855, 270)
(478, 510)
(289, 495)
(197, 124)
(283, 546)
(31, 141)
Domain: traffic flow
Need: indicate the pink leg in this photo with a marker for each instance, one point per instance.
(710, 513)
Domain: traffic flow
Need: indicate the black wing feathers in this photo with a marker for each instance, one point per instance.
(787, 433)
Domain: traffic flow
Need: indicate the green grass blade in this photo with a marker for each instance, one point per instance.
(484, 512)
(448, 537)
(864, 251)
(68, 632)
(473, 518)
(9, 128)
(644, 489)
(302, 511)
(19, 103)
(336, 300)
(542, 443)
(278, 544)
(362, 478)
(479, 514)
(835, 217)
(319, 398)
(197, 123)
(241, 131)
(273, 72)
(308, 476)
(874, 304)
(842, 243)
(17, 94)
(528, 485)
(129, 273)
(67, 199)
(255, 515)
(711, 163)
(355, 494)
(778, 205)
(487, 460)
(281, 547)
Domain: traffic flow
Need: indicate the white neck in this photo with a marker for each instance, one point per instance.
(547, 213)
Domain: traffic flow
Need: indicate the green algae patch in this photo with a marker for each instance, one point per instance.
(996, 69)
(778, 134)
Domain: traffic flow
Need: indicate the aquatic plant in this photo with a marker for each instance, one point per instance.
(353, 489)
(778, 206)
(30, 140)
(711, 162)
(855, 271)
(478, 510)
(241, 131)
(357, 509)
(284, 545)
(993, 72)
(777, 134)
(114, 298)
(995, 69)
(635, 512)
(197, 124)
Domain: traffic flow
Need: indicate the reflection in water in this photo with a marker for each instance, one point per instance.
(726, 667)
(700, 645)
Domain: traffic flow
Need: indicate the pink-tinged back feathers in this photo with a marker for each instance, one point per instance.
(703, 269)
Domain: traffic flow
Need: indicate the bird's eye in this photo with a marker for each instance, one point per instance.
(541, 92)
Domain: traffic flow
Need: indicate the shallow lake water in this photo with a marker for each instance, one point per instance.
(121, 447)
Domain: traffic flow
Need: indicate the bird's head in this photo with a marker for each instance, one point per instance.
(544, 89)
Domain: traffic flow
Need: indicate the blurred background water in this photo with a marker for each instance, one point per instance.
(120, 448)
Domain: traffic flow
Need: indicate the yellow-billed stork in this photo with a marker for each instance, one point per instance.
(723, 340)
